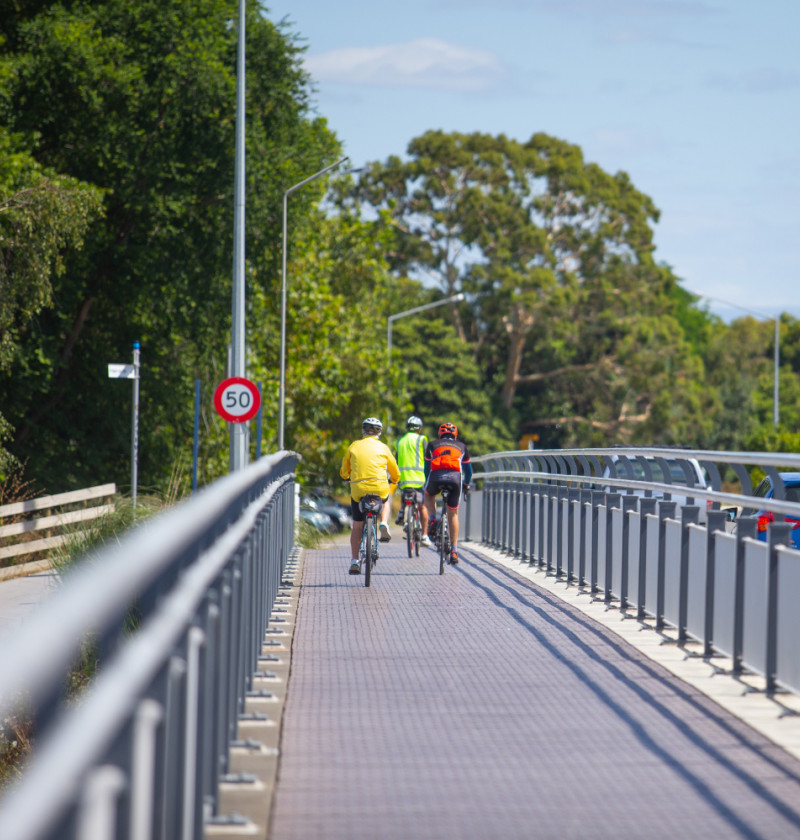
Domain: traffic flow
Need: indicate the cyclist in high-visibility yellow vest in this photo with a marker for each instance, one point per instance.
(410, 454)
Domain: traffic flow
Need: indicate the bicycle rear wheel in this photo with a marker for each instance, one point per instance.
(443, 540)
(416, 524)
(409, 526)
(369, 550)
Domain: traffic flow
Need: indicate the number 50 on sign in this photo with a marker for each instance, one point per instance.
(237, 400)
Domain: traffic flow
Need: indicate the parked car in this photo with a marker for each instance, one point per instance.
(677, 476)
(338, 513)
(316, 519)
(766, 490)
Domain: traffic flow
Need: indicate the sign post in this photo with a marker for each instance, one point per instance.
(117, 371)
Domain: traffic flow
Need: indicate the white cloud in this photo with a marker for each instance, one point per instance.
(422, 63)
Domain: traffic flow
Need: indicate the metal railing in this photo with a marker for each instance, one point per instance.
(176, 613)
(597, 519)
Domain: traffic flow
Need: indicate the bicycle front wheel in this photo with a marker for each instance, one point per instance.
(369, 549)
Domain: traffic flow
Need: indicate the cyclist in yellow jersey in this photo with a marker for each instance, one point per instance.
(366, 465)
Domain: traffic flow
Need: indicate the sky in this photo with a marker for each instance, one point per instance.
(697, 100)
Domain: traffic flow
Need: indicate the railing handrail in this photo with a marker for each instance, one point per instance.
(95, 595)
(507, 464)
(755, 459)
(95, 721)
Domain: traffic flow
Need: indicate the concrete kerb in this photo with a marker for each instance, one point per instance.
(776, 718)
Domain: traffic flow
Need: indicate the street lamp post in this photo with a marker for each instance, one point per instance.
(282, 386)
(776, 352)
(238, 434)
(392, 318)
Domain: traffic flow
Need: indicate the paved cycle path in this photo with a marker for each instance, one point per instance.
(478, 705)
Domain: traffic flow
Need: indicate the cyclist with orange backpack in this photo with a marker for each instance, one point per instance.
(447, 463)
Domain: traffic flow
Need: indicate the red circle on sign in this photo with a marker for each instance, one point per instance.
(237, 399)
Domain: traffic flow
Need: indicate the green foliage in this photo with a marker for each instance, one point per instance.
(443, 383)
(569, 317)
(43, 216)
(117, 124)
(138, 99)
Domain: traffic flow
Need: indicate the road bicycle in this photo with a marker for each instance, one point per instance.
(443, 536)
(412, 523)
(370, 505)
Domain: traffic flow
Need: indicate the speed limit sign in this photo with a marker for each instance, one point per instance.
(237, 400)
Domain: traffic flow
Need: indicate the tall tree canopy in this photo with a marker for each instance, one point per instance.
(42, 216)
(556, 258)
(117, 124)
(138, 100)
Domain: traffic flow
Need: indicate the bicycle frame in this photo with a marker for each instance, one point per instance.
(368, 552)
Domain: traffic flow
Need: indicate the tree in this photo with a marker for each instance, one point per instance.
(138, 99)
(556, 258)
(42, 216)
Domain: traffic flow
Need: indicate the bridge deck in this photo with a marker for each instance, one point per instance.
(479, 705)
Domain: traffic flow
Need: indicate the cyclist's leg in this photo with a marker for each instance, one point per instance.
(425, 510)
(383, 527)
(452, 519)
(355, 536)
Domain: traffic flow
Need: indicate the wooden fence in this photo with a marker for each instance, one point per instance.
(53, 522)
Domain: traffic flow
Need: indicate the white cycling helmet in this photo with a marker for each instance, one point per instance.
(414, 424)
(372, 426)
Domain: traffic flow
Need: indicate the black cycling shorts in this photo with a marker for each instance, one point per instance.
(445, 478)
(356, 512)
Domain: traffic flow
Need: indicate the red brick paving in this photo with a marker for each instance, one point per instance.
(476, 705)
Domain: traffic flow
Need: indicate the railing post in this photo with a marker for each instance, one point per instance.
(690, 515)
(666, 510)
(586, 501)
(629, 504)
(551, 501)
(716, 522)
(543, 489)
(561, 495)
(745, 529)
(504, 517)
(647, 507)
(598, 497)
(613, 502)
(779, 535)
(574, 501)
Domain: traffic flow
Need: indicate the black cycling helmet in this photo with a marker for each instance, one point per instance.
(372, 426)
(413, 424)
